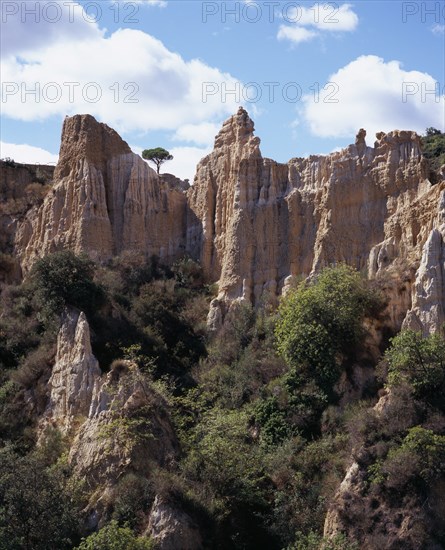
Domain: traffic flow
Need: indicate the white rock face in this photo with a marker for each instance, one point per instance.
(428, 297)
(75, 376)
(257, 223)
(252, 222)
(127, 427)
(172, 528)
(106, 200)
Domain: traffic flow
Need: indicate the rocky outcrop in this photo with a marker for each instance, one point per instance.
(75, 376)
(254, 224)
(171, 528)
(22, 186)
(15, 178)
(258, 223)
(116, 424)
(106, 200)
(127, 429)
(373, 517)
(427, 314)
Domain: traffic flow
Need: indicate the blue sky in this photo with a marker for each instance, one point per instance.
(168, 73)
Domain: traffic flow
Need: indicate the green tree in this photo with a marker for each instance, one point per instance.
(113, 537)
(158, 156)
(320, 322)
(62, 279)
(432, 131)
(37, 511)
(419, 362)
(433, 149)
(430, 450)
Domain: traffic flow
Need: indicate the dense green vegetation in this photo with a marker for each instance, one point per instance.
(114, 537)
(433, 146)
(267, 414)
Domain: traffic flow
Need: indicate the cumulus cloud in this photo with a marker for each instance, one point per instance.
(326, 17)
(376, 95)
(321, 17)
(27, 154)
(201, 134)
(295, 34)
(128, 79)
(26, 26)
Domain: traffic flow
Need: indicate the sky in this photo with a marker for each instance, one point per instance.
(167, 73)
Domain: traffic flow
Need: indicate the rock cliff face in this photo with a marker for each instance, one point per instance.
(116, 424)
(21, 187)
(106, 200)
(427, 313)
(257, 223)
(172, 528)
(127, 428)
(75, 375)
(391, 519)
(253, 223)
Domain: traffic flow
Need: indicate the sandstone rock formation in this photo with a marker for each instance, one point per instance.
(106, 200)
(172, 528)
(116, 424)
(257, 223)
(387, 519)
(127, 429)
(75, 376)
(427, 313)
(254, 224)
(21, 187)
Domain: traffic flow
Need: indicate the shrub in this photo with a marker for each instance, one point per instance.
(433, 145)
(221, 456)
(419, 362)
(429, 449)
(113, 537)
(62, 279)
(319, 323)
(36, 511)
(132, 497)
(34, 366)
(274, 426)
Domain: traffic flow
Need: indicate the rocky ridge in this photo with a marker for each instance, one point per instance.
(106, 200)
(116, 425)
(253, 223)
(263, 223)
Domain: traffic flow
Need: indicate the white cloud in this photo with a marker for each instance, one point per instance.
(185, 160)
(26, 26)
(27, 154)
(295, 34)
(322, 17)
(156, 3)
(378, 96)
(438, 29)
(325, 16)
(139, 84)
(201, 134)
